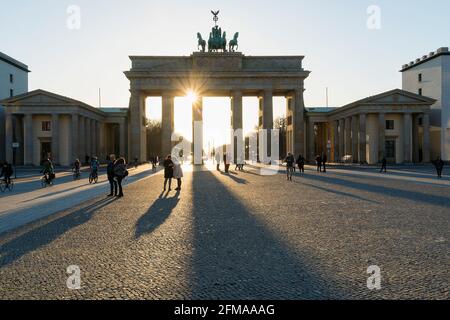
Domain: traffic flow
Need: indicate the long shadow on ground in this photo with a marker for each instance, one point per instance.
(236, 256)
(45, 234)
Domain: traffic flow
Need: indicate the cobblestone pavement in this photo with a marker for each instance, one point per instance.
(241, 236)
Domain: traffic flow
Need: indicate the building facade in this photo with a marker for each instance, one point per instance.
(44, 124)
(13, 81)
(430, 76)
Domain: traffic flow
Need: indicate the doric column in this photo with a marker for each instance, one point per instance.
(28, 134)
(311, 141)
(341, 138)
(266, 101)
(335, 125)
(94, 137)
(138, 131)
(197, 131)
(55, 139)
(426, 138)
(88, 137)
(167, 126)
(74, 132)
(9, 137)
(381, 136)
(362, 138)
(407, 128)
(98, 144)
(298, 123)
(122, 139)
(348, 136)
(82, 139)
(237, 125)
(415, 139)
(355, 139)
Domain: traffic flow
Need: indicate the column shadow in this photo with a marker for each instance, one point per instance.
(157, 214)
(236, 256)
(45, 234)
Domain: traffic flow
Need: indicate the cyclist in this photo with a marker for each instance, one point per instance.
(77, 167)
(94, 167)
(7, 172)
(48, 171)
(290, 162)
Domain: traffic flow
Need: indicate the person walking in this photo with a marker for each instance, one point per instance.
(178, 174)
(301, 163)
(319, 163)
(324, 162)
(226, 162)
(439, 164)
(120, 172)
(110, 174)
(168, 172)
(383, 165)
(290, 164)
(217, 160)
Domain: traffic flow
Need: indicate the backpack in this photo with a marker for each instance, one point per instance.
(120, 171)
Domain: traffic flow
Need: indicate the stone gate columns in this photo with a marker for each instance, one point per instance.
(55, 139)
(311, 141)
(298, 123)
(381, 136)
(94, 137)
(237, 124)
(9, 137)
(74, 137)
(407, 130)
(341, 139)
(197, 128)
(362, 138)
(167, 127)
(122, 140)
(138, 131)
(88, 137)
(426, 137)
(266, 108)
(82, 139)
(415, 139)
(348, 136)
(335, 125)
(355, 139)
(28, 133)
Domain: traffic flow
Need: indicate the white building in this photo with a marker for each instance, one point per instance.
(430, 76)
(13, 81)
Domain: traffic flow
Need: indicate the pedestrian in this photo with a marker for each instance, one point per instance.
(324, 162)
(136, 162)
(226, 162)
(383, 165)
(178, 174)
(301, 163)
(439, 164)
(110, 174)
(120, 172)
(168, 172)
(290, 164)
(319, 163)
(218, 160)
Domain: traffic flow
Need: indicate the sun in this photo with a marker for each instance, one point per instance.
(191, 96)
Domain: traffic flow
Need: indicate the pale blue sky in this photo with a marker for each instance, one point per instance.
(342, 53)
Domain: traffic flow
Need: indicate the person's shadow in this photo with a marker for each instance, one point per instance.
(157, 214)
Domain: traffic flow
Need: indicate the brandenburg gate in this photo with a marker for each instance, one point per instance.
(218, 72)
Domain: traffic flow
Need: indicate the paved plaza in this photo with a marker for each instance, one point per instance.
(242, 236)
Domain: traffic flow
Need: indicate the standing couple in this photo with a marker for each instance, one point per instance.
(172, 170)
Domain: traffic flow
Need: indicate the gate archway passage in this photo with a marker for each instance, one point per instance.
(215, 74)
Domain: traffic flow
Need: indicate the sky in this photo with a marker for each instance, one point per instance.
(354, 48)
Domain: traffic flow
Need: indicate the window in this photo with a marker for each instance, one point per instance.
(420, 77)
(390, 124)
(420, 91)
(46, 126)
(11, 93)
(11, 78)
(390, 149)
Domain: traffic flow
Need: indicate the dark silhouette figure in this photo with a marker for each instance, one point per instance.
(439, 165)
(168, 172)
(324, 162)
(120, 172)
(319, 163)
(383, 165)
(301, 163)
(110, 174)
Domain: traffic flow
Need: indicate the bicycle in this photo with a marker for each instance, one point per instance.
(46, 181)
(93, 177)
(76, 174)
(4, 185)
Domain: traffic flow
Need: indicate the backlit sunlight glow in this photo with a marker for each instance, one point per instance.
(191, 96)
